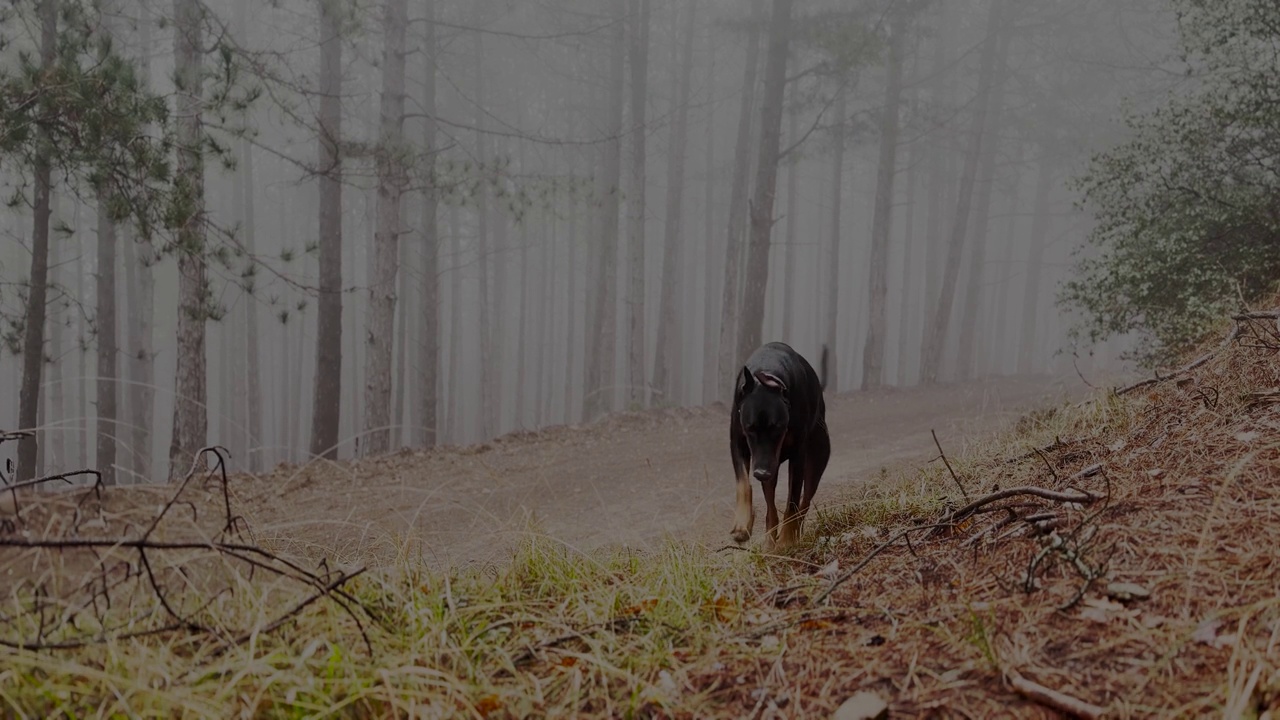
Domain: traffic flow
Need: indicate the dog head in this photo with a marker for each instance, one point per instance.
(765, 414)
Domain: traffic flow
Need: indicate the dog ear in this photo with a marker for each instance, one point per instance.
(748, 380)
(771, 381)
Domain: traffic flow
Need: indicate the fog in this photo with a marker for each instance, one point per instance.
(545, 211)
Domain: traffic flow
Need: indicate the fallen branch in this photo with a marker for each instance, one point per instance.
(946, 462)
(50, 478)
(1083, 497)
(1052, 698)
(866, 560)
(1235, 333)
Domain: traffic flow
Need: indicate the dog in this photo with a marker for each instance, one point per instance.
(778, 416)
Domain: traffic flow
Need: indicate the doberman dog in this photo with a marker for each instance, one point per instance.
(778, 416)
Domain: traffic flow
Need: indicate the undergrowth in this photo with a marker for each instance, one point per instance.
(939, 623)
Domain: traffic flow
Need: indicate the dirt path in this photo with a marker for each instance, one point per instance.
(631, 479)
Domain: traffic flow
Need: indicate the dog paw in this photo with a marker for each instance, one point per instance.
(740, 536)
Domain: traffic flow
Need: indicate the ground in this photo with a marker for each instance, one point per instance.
(632, 479)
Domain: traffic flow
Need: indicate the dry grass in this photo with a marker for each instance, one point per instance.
(1190, 472)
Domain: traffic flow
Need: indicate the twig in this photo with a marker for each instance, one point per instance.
(946, 462)
(1235, 333)
(50, 478)
(870, 556)
(1052, 698)
(1083, 498)
(291, 613)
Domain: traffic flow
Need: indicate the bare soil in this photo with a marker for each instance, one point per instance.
(632, 479)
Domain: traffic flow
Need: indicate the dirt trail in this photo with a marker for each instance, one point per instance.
(632, 479)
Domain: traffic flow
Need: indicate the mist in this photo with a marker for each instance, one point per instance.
(439, 222)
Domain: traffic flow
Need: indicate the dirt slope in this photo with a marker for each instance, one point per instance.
(631, 479)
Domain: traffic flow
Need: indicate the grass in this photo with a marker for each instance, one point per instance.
(1191, 470)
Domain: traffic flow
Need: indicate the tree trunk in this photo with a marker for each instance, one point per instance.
(882, 220)
(429, 338)
(636, 391)
(728, 346)
(602, 305)
(455, 326)
(1027, 337)
(982, 217)
(571, 302)
(766, 179)
(955, 249)
(391, 181)
(190, 420)
(712, 270)
(37, 297)
(793, 223)
(909, 310)
(107, 389)
(488, 361)
(327, 392)
(831, 311)
(669, 345)
(522, 387)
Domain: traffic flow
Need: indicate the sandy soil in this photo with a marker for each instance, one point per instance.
(631, 479)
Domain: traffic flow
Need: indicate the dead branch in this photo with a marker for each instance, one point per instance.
(1235, 333)
(293, 612)
(1083, 497)
(844, 577)
(66, 476)
(1053, 699)
(946, 462)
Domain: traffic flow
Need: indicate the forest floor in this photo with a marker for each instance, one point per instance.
(633, 480)
(1097, 554)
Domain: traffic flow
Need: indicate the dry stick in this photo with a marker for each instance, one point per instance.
(1235, 333)
(1053, 699)
(946, 462)
(866, 560)
(50, 478)
(1084, 498)
(291, 614)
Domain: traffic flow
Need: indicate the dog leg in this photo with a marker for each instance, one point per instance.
(743, 516)
(819, 452)
(770, 486)
(789, 532)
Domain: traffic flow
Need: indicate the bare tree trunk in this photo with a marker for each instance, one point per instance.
(762, 220)
(522, 387)
(831, 311)
(37, 297)
(602, 303)
(728, 345)
(327, 392)
(669, 345)
(107, 389)
(909, 313)
(882, 221)
(571, 343)
(714, 256)
(639, 19)
(455, 325)
(391, 181)
(429, 369)
(1027, 337)
(190, 419)
(793, 223)
(955, 249)
(488, 374)
(996, 355)
(982, 217)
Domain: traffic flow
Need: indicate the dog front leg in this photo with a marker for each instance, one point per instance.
(771, 511)
(743, 516)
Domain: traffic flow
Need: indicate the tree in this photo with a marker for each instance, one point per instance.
(831, 310)
(327, 396)
(793, 223)
(669, 327)
(190, 420)
(391, 183)
(602, 296)
(1031, 291)
(728, 345)
(429, 368)
(639, 19)
(762, 220)
(37, 295)
(878, 290)
(1187, 229)
(955, 248)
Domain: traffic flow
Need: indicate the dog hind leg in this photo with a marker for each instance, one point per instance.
(817, 454)
(789, 533)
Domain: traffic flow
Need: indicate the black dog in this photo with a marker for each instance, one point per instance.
(778, 416)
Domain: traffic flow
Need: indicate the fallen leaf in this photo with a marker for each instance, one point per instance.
(488, 704)
(863, 706)
(1207, 634)
(831, 569)
(641, 608)
(818, 624)
(1127, 591)
(568, 661)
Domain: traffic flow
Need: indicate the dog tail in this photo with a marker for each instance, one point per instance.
(822, 365)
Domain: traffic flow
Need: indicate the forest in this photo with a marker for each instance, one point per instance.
(339, 228)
